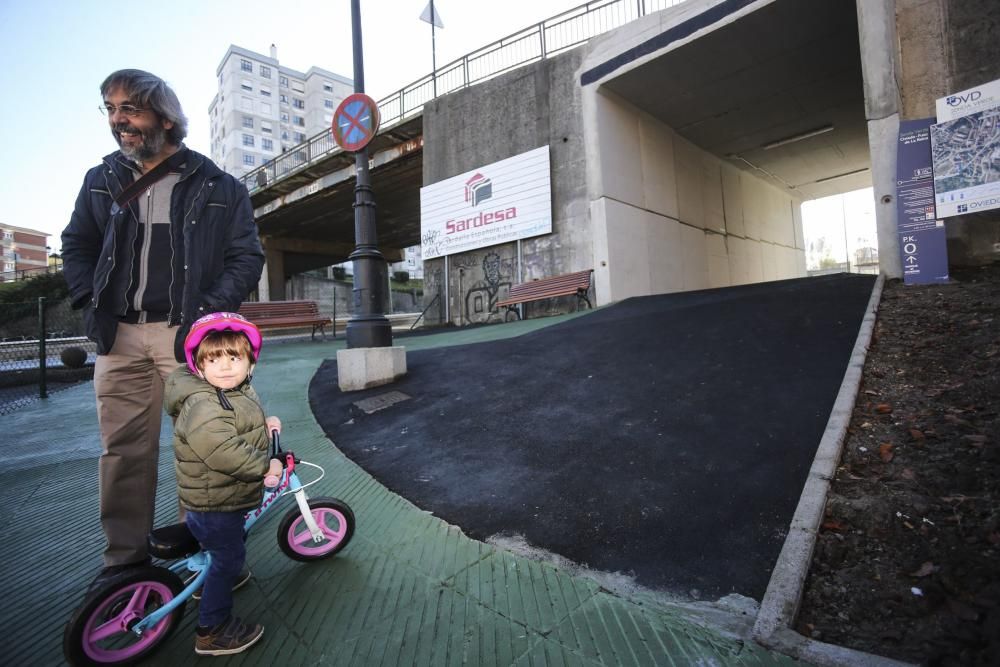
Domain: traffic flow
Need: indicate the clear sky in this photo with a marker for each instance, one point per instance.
(57, 52)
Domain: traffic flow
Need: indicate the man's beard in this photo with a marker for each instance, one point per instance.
(153, 140)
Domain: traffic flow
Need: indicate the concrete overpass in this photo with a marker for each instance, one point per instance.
(682, 144)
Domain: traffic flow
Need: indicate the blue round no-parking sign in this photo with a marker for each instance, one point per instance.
(355, 122)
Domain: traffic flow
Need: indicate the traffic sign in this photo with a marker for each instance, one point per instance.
(355, 122)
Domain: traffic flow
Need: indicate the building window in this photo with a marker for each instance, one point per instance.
(7, 235)
(328, 103)
(283, 99)
(299, 137)
(265, 71)
(283, 81)
(328, 87)
(246, 104)
(298, 104)
(248, 140)
(265, 91)
(265, 127)
(298, 120)
(246, 65)
(248, 160)
(248, 122)
(298, 86)
(267, 144)
(246, 85)
(284, 135)
(284, 116)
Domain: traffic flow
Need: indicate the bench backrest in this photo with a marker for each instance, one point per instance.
(263, 309)
(568, 283)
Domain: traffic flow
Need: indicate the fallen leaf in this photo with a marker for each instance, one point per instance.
(916, 434)
(925, 569)
(835, 524)
(885, 451)
(883, 408)
(908, 525)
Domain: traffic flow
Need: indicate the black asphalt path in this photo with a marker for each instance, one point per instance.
(665, 437)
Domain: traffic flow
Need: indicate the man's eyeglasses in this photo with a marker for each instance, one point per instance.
(127, 109)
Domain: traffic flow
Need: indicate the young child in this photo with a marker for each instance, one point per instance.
(221, 441)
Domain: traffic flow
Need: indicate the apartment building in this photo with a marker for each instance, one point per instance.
(263, 109)
(23, 250)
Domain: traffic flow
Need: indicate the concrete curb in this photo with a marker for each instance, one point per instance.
(778, 609)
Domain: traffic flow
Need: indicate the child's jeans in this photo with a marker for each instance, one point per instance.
(221, 535)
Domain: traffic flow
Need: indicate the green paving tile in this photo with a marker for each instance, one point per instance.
(446, 628)
(535, 594)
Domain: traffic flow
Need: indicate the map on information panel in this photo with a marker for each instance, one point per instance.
(966, 154)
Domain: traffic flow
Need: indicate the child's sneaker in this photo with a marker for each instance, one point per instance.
(232, 636)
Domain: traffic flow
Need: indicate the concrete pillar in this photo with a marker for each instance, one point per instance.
(274, 273)
(879, 69)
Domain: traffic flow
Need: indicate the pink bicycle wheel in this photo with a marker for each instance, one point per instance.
(100, 632)
(335, 520)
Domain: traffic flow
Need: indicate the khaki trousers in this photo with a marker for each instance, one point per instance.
(128, 382)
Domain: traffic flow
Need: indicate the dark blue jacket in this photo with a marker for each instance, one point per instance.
(215, 254)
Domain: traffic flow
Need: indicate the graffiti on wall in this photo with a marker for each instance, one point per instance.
(491, 274)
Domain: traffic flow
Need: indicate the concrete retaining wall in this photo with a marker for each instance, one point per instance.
(668, 216)
(533, 106)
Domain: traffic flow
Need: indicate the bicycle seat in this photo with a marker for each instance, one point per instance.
(173, 541)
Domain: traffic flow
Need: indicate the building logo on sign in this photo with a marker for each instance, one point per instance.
(478, 189)
(955, 100)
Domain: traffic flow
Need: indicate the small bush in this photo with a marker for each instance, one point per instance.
(339, 273)
(401, 276)
(50, 285)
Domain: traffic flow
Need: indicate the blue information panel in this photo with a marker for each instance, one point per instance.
(922, 245)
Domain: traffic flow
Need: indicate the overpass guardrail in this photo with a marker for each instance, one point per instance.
(550, 37)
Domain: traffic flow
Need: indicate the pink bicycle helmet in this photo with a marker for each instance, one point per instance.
(219, 322)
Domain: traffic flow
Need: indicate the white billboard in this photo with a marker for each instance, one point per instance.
(497, 203)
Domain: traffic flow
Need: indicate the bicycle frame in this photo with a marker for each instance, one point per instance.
(199, 562)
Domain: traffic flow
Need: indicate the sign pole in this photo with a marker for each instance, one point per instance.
(368, 326)
(434, 67)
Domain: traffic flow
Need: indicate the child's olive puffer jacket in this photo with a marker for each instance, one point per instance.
(220, 444)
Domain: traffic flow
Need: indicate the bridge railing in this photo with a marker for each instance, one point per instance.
(550, 37)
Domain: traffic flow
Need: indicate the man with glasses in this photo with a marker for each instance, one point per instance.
(159, 236)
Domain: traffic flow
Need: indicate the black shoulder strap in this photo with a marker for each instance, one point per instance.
(150, 177)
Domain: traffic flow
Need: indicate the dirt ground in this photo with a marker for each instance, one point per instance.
(907, 564)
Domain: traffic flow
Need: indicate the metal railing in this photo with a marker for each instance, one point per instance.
(550, 37)
(42, 349)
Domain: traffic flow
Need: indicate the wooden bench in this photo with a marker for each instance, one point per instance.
(569, 284)
(285, 315)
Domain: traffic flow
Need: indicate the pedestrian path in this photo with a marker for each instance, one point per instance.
(408, 590)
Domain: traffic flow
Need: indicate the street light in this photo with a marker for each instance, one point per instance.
(368, 326)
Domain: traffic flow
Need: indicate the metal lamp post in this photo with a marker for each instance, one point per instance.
(368, 326)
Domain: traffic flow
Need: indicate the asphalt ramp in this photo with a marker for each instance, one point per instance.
(666, 438)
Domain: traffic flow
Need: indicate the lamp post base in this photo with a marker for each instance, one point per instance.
(364, 367)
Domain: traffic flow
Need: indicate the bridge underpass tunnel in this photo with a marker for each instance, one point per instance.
(710, 134)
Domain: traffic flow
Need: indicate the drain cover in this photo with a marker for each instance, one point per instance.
(382, 401)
